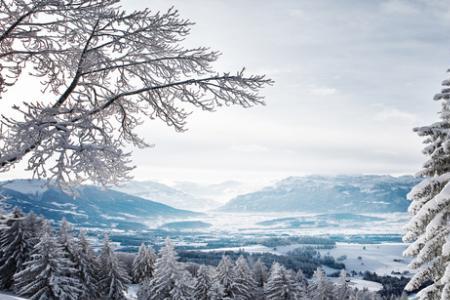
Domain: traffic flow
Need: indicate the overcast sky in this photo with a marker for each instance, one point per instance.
(352, 80)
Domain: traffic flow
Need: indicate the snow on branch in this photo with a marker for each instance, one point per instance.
(108, 71)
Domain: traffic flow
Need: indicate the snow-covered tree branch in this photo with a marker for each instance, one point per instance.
(108, 71)
(428, 230)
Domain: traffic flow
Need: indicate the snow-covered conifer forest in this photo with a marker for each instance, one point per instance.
(40, 261)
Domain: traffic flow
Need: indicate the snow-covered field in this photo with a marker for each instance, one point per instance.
(380, 258)
(365, 284)
(250, 223)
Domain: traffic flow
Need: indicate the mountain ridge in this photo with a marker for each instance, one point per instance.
(89, 206)
(317, 193)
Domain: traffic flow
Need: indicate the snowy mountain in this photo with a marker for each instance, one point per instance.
(89, 206)
(365, 193)
(156, 191)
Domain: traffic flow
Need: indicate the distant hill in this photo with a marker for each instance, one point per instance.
(221, 191)
(322, 220)
(327, 194)
(168, 195)
(89, 206)
(185, 226)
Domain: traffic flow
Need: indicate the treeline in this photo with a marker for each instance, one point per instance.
(307, 259)
(236, 279)
(319, 242)
(41, 263)
(392, 285)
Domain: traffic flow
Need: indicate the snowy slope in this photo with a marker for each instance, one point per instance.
(379, 258)
(165, 194)
(365, 193)
(89, 206)
(4, 296)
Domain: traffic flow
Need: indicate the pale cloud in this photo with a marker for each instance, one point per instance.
(400, 7)
(298, 13)
(331, 60)
(393, 114)
(249, 148)
(322, 91)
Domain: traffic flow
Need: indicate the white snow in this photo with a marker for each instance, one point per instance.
(131, 293)
(4, 296)
(361, 284)
(377, 258)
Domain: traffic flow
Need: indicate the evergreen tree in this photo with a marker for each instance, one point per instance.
(302, 284)
(45, 274)
(280, 285)
(88, 268)
(216, 291)
(428, 230)
(260, 273)
(321, 288)
(203, 284)
(144, 290)
(33, 225)
(244, 284)
(226, 276)
(169, 280)
(65, 238)
(143, 264)
(15, 247)
(113, 278)
(182, 288)
(365, 294)
(342, 288)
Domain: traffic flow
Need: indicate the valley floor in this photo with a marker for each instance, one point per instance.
(383, 259)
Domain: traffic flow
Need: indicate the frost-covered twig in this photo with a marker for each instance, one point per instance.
(109, 70)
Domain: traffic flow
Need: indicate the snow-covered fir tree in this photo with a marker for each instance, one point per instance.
(33, 224)
(342, 290)
(364, 294)
(66, 239)
(182, 288)
(216, 292)
(144, 290)
(88, 269)
(320, 288)
(428, 231)
(46, 274)
(170, 280)
(203, 283)
(226, 276)
(302, 283)
(244, 283)
(113, 279)
(260, 273)
(280, 285)
(143, 264)
(15, 246)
